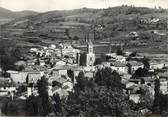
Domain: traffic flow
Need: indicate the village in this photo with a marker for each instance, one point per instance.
(85, 62)
(56, 61)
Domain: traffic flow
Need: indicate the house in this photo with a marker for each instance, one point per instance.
(5, 80)
(136, 81)
(121, 68)
(134, 65)
(155, 65)
(4, 91)
(115, 57)
(62, 93)
(59, 70)
(30, 91)
(163, 75)
(33, 77)
(132, 88)
(133, 34)
(132, 91)
(135, 98)
(65, 87)
(163, 78)
(62, 70)
(125, 78)
(17, 77)
(31, 62)
(33, 50)
(42, 62)
(60, 63)
(149, 81)
(68, 86)
(164, 86)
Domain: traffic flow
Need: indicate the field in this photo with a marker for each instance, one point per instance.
(4, 20)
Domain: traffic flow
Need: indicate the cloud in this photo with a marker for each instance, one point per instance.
(47, 5)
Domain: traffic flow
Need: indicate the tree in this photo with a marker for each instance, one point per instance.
(145, 61)
(57, 104)
(81, 82)
(42, 86)
(13, 108)
(119, 52)
(9, 54)
(101, 96)
(98, 101)
(140, 72)
(156, 105)
(71, 74)
(146, 98)
(109, 78)
(7, 62)
(164, 105)
(32, 106)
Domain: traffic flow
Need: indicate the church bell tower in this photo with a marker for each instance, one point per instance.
(90, 56)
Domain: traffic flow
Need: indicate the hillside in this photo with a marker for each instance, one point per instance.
(7, 15)
(104, 17)
(112, 24)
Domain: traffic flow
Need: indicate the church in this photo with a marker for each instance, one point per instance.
(90, 55)
(87, 58)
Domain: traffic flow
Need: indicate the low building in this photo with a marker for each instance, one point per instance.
(164, 86)
(155, 65)
(4, 91)
(163, 78)
(135, 98)
(116, 57)
(33, 77)
(59, 70)
(121, 68)
(60, 63)
(134, 65)
(18, 77)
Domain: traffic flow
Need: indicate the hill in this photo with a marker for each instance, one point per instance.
(7, 15)
(111, 24)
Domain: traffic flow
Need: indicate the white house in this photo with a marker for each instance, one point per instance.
(33, 77)
(121, 68)
(60, 63)
(155, 65)
(18, 77)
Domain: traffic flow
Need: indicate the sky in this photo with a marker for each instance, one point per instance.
(48, 5)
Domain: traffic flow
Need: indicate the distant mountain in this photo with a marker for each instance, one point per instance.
(5, 13)
(111, 18)
(25, 13)
(8, 15)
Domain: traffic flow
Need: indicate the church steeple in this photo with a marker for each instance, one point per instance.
(90, 46)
